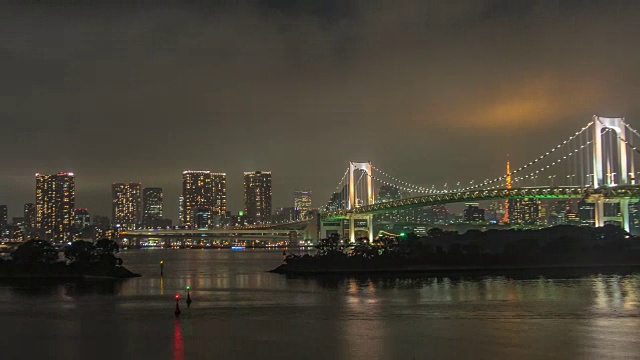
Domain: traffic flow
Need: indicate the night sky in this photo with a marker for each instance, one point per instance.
(430, 91)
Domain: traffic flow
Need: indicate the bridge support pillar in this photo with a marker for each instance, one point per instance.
(601, 218)
(599, 213)
(624, 210)
(360, 222)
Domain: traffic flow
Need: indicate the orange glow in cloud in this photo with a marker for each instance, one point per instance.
(529, 103)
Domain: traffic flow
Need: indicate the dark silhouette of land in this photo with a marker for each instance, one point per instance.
(39, 259)
(492, 251)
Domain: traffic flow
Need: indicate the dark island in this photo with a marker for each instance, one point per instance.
(492, 251)
(39, 259)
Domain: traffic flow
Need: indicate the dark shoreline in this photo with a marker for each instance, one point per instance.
(534, 270)
(10, 272)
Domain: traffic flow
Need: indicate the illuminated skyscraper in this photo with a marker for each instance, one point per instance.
(151, 207)
(219, 181)
(126, 205)
(524, 211)
(4, 217)
(302, 202)
(81, 218)
(55, 200)
(257, 196)
(473, 213)
(389, 193)
(197, 194)
(29, 217)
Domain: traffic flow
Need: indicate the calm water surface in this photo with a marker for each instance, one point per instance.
(242, 312)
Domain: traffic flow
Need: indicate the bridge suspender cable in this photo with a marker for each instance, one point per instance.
(420, 189)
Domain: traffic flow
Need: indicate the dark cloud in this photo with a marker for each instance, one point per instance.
(432, 91)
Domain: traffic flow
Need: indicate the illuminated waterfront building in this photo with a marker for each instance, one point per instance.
(572, 218)
(498, 208)
(152, 203)
(473, 213)
(81, 218)
(388, 193)
(219, 182)
(4, 216)
(180, 209)
(29, 216)
(302, 202)
(586, 213)
(197, 198)
(126, 205)
(524, 211)
(285, 215)
(257, 196)
(558, 212)
(55, 201)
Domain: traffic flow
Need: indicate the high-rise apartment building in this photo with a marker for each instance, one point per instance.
(257, 196)
(151, 207)
(55, 200)
(219, 181)
(126, 205)
(29, 216)
(302, 202)
(524, 211)
(473, 213)
(4, 216)
(81, 218)
(197, 198)
(181, 209)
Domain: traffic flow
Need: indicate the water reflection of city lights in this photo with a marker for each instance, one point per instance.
(178, 343)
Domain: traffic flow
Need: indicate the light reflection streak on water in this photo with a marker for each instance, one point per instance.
(630, 286)
(364, 310)
(178, 343)
(608, 330)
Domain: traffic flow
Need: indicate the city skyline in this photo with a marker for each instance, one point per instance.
(171, 210)
(440, 76)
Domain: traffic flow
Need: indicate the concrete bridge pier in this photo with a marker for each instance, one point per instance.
(601, 218)
(360, 222)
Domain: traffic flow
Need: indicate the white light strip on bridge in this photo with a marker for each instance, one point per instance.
(398, 180)
(487, 181)
(400, 187)
(555, 162)
(503, 177)
(624, 140)
(630, 128)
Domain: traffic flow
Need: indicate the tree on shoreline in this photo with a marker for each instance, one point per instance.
(35, 251)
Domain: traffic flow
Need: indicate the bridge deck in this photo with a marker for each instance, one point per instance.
(631, 192)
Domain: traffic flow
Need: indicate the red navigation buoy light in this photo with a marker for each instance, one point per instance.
(177, 310)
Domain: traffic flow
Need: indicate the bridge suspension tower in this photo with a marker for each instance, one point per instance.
(610, 159)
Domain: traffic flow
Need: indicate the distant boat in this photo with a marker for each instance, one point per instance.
(237, 248)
